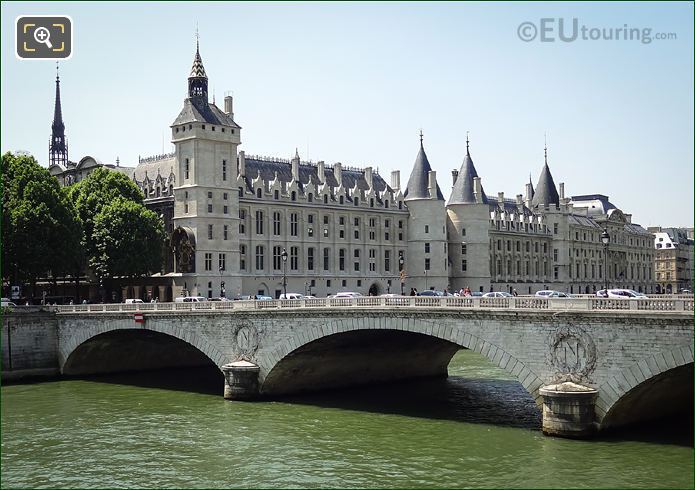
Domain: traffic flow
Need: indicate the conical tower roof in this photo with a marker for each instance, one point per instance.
(197, 70)
(546, 192)
(418, 183)
(463, 191)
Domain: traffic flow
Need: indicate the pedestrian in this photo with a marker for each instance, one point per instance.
(514, 293)
(71, 302)
(412, 291)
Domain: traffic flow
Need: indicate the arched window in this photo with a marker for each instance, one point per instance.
(259, 193)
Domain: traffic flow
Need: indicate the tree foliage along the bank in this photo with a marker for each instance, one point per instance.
(96, 191)
(41, 229)
(121, 237)
(127, 240)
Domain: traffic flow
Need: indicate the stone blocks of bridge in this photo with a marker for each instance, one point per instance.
(568, 410)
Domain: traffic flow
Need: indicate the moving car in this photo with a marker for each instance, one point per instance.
(191, 299)
(559, 294)
(497, 294)
(620, 293)
(346, 294)
(545, 293)
(133, 300)
(291, 296)
(7, 302)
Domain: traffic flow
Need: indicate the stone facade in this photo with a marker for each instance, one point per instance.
(230, 216)
(673, 259)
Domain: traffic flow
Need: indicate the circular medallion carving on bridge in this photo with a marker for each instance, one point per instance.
(572, 352)
(246, 340)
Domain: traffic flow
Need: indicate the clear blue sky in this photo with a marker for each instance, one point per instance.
(355, 82)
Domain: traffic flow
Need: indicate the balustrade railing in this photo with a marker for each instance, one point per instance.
(425, 302)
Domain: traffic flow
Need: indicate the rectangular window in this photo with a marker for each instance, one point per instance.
(400, 225)
(259, 222)
(224, 169)
(208, 261)
(427, 228)
(209, 208)
(555, 253)
(294, 224)
(310, 258)
(186, 169)
(326, 258)
(357, 234)
(277, 258)
(209, 232)
(387, 260)
(242, 222)
(464, 265)
(276, 223)
(357, 261)
(225, 210)
(427, 264)
(209, 195)
(554, 228)
(224, 196)
(225, 232)
(242, 257)
(294, 258)
(222, 262)
(556, 272)
(427, 248)
(341, 259)
(259, 258)
(464, 249)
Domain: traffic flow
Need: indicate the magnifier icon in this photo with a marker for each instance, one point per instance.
(43, 36)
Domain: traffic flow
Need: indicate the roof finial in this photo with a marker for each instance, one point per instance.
(420, 136)
(467, 142)
(197, 37)
(545, 149)
(296, 153)
(57, 71)
(118, 162)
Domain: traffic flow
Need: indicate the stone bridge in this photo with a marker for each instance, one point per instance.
(636, 354)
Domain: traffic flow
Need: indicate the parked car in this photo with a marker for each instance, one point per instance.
(497, 294)
(190, 299)
(7, 302)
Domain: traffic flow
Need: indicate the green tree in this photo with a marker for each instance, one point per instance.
(127, 240)
(96, 191)
(41, 229)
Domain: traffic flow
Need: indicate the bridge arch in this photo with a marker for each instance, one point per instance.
(656, 385)
(102, 327)
(453, 333)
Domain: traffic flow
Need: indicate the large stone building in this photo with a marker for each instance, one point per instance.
(673, 259)
(240, 224)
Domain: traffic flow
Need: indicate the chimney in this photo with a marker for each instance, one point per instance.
(338, 173)
(529, 197)
(242, 163)
(628, 217)
(478, 190)
(322, 171)
(432, 181)
(228, 106)
(454, 176)
(368, 177)
(396, 180)
(562, 190)
(519, 200)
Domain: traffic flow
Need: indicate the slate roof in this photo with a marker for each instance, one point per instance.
(418, 183)
(197, 70)
(196, 109)
(546, 192)
(309, 173)
(463, 190)
(164, 167)
(509, 206)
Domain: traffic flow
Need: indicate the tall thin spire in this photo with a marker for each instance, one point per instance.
(198, 79)
(467, 145)
(421, 137)
(58, 147)
(545, 147)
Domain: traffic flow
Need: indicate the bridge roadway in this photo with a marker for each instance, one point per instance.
(636, 354)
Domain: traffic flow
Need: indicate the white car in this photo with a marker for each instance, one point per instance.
(291, 296)
(191, 299)
(621, 293)
(559, 294)
(346, 294)
(7, 302)
(497, 294)
(133, 300)
(545, 293)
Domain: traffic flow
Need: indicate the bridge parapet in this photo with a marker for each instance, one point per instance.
(517, 303)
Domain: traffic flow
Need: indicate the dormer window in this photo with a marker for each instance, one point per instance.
(213, 128)
(203, 126)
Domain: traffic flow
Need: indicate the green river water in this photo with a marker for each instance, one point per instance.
(475, 429)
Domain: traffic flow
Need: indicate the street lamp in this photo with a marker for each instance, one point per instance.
(400, 268)
(284, 273)
(605, 239)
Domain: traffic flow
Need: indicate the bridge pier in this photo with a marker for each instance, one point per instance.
(568, 410)
(240, 380)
